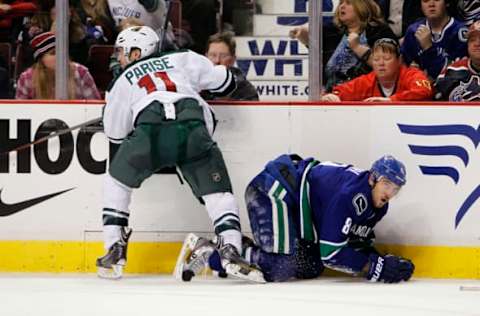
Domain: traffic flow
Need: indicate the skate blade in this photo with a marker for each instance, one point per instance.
(187, 247)
(252, 275)
(115, 273)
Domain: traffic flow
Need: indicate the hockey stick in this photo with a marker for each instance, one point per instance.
(470, 288)
(168, 7)
(52, 135)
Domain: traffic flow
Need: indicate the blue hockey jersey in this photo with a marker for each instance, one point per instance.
(449, 45)
(342, 212)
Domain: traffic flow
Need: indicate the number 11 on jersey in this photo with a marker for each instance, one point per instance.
(147, 82)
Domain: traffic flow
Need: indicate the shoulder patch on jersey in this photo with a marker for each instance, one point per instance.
(360, 203)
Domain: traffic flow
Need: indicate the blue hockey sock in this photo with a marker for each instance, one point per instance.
(215, 263)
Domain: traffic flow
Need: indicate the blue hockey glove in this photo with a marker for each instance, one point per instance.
(389, 269)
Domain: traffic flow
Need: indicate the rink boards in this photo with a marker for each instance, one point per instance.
(50, 209)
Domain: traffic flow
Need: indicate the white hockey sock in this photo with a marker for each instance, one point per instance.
(116, 195)
(223, 211)
(248, 254)
(111, 234)
(234, 237)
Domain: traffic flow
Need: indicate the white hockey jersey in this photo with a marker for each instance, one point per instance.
(121, 9)
(165, 78)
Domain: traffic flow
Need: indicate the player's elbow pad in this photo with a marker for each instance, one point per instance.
(227, 87)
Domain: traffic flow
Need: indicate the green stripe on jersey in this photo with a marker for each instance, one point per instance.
(307, 229)
(281, 234)
(328, 249)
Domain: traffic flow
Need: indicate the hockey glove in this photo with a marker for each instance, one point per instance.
(389, 269)
(307, 258)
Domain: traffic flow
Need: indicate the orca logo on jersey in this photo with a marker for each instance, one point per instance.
(466, 91)
(462, 130)
(462, 34)
(360, 203)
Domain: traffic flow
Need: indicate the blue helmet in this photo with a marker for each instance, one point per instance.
(390, 168)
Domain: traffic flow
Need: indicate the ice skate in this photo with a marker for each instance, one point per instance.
(237, 266)
(111, 265)
(193, 257)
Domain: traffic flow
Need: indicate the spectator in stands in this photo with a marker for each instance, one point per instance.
(95, 14)
(399, 14)
(468, 11)
(361, 24)
(150, 13)
(390, 80)
(200, 21)
(77, 35)
(37, 82)
(44, 21)
(436, 40)
(39, 23)
(300, 33)
(221, 51)
(460, 81)
(11, 15)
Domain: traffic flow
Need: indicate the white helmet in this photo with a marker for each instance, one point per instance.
(141, 37)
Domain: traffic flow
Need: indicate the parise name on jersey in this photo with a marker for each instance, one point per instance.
(147, 67)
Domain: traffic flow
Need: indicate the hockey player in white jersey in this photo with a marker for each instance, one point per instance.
(154, 113)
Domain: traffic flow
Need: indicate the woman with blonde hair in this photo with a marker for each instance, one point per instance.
(360, 23)
(37, 82)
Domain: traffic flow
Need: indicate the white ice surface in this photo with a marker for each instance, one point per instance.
(86, 295)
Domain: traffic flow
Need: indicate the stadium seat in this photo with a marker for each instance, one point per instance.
(98, 64)
(6, 55)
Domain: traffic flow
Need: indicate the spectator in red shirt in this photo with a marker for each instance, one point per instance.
(9, 12)
(390, 80)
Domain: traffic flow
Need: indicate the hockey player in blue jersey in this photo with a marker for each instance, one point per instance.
(306, 215)
(436, 40)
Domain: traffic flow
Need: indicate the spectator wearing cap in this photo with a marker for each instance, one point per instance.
(460, 81)
(37, 81)
(390, 80)
(221, 49)
(436, 40)
(468, 11)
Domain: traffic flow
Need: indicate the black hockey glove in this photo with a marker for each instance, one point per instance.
(389, 269)
(307, 258)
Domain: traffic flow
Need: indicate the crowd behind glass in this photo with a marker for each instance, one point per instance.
(373, 50)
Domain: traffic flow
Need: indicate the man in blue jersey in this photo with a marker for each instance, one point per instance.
(436, 40)
(306, 215)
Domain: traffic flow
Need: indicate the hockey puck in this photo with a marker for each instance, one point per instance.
(187, 275)
(222, 274)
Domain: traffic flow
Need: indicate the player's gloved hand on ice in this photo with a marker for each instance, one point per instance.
(389, 269)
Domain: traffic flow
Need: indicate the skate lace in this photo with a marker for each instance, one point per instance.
(230, 253)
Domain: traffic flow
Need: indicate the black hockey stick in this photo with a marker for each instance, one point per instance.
(52, 135)
(168, 7)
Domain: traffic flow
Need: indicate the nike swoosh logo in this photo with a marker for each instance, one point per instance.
(9, 209)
